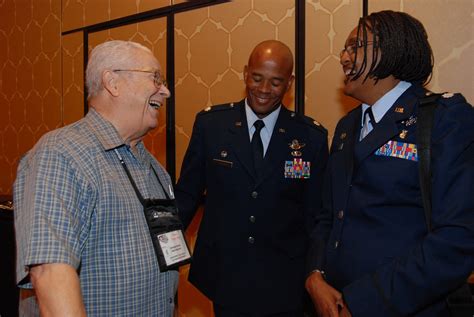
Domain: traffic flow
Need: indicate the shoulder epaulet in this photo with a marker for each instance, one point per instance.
(446, 98)
(310, 122)
(212, 109)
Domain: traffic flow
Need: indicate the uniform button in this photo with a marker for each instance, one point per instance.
(340, 214)
(251, 240)
(336, 244)
(252, 219)
(254, 194)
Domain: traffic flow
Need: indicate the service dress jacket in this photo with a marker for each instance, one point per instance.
(253, 237)
(379, 251)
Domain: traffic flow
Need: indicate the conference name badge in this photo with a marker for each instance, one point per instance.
(297, 169)
(406, 151)
(174, 247)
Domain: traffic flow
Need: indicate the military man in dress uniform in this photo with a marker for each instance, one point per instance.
(260, 166)
(381, 258)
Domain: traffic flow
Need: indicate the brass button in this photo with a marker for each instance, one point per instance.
(254, 194)
(251, 240)
(252, 219)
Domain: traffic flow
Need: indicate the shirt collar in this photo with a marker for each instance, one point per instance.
(106, 133)
(269, 120)
(380, 108)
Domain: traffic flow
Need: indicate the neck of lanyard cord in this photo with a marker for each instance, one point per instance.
(134, 185)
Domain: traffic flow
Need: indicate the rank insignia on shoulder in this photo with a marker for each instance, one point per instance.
(292, 114)
(447, 95)
(296, 145)
(316, 123)
(297, 169)
(207, 109)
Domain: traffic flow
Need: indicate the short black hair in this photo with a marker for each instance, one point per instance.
(403, 42)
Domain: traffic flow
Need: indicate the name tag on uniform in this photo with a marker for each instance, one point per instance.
(406, 151)
(297, 168)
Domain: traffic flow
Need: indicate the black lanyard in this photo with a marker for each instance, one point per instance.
(143, 201)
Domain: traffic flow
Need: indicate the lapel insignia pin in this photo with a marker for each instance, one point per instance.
(403, 134)
(238, 124)
(343, 135)
(399, 109)
(224, 154)
(281, 130)
(410, 121)
(296, 145)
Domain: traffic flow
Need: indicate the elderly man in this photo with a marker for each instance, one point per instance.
(387, 255)
(261, 168)
(83, 241)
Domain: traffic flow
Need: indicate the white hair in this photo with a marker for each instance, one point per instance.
(109, 55)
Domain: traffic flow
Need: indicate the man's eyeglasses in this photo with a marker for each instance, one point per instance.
(157, 79)
(351, 48)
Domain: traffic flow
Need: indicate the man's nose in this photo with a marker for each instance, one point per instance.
(164, 91)
(265, 86)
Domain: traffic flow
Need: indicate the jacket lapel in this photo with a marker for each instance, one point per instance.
(239, 139)
(348, 142)
(388, 127)
(278, 148)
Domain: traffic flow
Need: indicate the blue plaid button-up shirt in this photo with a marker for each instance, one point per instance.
(74, 204)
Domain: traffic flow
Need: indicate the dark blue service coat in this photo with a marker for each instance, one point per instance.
(252, 241)
(379, 252)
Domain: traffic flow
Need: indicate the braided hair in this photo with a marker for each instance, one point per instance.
(402, 40)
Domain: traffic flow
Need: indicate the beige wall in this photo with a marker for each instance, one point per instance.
(41, 76)
(41, 71)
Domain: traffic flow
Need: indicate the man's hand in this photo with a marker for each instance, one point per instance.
(326, 299)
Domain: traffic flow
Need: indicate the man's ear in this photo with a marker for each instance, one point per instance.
(290, 82)
(110, 82)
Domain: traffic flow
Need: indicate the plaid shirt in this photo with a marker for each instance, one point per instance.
(74, 204)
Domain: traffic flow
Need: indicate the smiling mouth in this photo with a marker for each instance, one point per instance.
(154, 104)
(349, 72)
